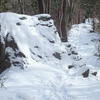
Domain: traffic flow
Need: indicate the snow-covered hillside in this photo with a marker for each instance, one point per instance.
(41, 66)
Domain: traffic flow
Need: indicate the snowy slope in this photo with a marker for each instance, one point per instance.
(86, 44)
(46, 74)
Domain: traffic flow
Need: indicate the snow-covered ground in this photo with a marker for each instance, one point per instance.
(46, 75)
(86, 44)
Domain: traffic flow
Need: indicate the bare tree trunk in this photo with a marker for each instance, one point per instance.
(0, 6)
(41, 4)
(63, 24)
(21, 6)
(49, 6)
(60, 19)
(78, 16)
(93, 24)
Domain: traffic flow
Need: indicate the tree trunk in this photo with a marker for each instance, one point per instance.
(48, 6)
(93, 24)
(78, 17)
(60, 19)
(63, 24)
(21, 6)
(41, 4)
(61, 16)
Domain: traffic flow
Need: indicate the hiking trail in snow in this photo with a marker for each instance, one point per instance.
(86, 44)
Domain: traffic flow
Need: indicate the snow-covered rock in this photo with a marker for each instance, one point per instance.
(25, 39)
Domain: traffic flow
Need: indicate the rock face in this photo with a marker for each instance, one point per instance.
(5, 56)
(2, 52)
(4, 65)
(4, 62)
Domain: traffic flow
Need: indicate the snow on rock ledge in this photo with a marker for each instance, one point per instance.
(25, 39)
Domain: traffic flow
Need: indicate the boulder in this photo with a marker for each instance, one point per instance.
(2, 51)
(4, 65)
(94, 73)
(70, 66)
(86, 73)
(6, 59)
(57, 55)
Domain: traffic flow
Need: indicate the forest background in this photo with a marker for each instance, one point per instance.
(65, 13)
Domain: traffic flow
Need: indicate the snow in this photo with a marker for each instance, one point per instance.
(90, 21)
(86, 43)
(44, 77)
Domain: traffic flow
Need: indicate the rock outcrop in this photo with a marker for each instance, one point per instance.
(6, 55)
(18, 30)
